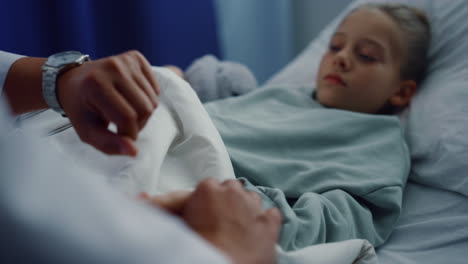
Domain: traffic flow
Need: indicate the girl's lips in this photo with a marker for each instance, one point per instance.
(335, 79)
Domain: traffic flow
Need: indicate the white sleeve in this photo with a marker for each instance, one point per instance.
(55, 212)
(6, 60)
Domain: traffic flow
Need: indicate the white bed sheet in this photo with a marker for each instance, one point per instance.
(178, 147)
(432, 229)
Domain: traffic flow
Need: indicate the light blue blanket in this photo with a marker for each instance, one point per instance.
(334, 174)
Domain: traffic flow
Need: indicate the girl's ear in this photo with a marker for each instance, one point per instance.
(403, 95)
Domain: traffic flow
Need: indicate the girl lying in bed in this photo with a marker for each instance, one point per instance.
(334, 161)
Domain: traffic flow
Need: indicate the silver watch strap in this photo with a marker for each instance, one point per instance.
(54, 66)
(49, 92)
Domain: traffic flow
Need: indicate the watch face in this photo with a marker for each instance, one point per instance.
(64, 58)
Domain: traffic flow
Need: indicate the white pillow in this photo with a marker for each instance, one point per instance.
(437, 120)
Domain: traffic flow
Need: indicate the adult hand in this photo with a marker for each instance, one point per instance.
(120, 89)
(173, 202)
(233, 220)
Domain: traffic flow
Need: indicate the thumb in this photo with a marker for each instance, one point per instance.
(173, 202)
(110, 143)
(273, 215)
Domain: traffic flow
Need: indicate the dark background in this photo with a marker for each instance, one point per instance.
(165, 31)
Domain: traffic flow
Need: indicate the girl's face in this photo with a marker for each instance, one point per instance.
(361, 69)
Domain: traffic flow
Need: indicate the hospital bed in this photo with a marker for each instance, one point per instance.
(433, 227)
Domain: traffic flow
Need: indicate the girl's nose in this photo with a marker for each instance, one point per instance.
(341, 62)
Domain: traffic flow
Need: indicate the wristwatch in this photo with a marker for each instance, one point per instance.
(54, 66)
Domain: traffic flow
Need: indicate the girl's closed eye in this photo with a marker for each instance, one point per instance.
(334, 48)
(367, 58)
(368, 54)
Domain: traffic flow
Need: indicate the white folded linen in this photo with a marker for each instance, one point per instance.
(354, 251)
(178, 147)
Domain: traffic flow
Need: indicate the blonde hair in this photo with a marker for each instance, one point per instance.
(416, 30)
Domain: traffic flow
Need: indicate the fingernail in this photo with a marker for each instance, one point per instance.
(143, 196)
(125, 150)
